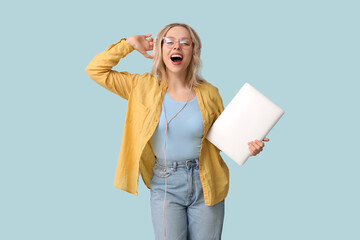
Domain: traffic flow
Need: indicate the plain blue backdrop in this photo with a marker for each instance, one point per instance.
(61, 132)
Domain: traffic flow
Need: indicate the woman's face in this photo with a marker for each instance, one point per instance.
(178, 57)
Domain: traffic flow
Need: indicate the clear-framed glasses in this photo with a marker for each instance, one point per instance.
(170, 42)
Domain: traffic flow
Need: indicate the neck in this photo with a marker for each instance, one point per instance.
(176, 81)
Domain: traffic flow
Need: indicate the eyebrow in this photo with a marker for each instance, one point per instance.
(180, 38)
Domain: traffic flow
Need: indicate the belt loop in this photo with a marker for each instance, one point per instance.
(188, 163)
(174, 166)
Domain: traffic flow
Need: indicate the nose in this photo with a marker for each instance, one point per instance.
(177, 44)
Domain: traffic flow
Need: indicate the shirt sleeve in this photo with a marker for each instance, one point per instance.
(100, 69)
(219, 103)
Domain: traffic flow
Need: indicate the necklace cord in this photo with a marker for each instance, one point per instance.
(166, 129)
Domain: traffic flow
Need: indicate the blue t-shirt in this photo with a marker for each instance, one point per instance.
(184, 134)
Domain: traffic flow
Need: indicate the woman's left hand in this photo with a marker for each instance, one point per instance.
(256, 146)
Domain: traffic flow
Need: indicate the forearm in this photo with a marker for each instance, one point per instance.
(100, 69)
(100, 66)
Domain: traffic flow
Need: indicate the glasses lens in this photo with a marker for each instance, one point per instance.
(170, 42)
(185, 42)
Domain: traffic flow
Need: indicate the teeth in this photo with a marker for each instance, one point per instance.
(176, 55)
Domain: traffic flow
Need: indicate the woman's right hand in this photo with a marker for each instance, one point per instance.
(142, 44)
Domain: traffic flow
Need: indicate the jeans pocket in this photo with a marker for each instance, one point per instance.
(161, 171)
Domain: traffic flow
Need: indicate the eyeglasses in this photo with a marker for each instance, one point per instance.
(170, 42)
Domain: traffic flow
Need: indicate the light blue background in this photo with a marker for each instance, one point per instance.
(61, 132)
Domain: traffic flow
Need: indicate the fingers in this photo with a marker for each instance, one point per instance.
(260, 144)
(266, 139)
(255, 147)
(252, 150)
(150, 38)
(150, 41)
(148, 45)
(147, 55)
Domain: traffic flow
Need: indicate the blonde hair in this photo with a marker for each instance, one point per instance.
(159, 68)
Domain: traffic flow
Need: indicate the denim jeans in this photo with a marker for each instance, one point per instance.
(186, 215)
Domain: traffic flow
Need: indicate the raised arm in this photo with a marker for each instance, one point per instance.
(100, 68)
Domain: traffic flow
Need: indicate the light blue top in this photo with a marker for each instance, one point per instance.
(184, 134)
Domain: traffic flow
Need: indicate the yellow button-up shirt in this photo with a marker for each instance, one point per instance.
(142, 117)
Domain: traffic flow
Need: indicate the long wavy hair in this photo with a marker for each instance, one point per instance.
(159, 67)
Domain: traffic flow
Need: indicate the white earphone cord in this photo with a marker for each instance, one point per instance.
(166, 128)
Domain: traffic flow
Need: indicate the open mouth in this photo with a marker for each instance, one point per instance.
(176, 58)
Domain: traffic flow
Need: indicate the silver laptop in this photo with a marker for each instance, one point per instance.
(249, 116)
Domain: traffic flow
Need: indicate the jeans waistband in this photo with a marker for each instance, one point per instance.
(187, 163)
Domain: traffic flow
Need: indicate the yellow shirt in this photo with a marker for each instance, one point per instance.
(142, 117)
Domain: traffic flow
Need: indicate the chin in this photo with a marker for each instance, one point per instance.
(176, 69)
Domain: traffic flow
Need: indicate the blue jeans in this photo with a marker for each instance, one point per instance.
(186, 215)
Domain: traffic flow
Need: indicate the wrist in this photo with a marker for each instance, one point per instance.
(130, 42)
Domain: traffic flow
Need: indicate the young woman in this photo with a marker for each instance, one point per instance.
(169, 114)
